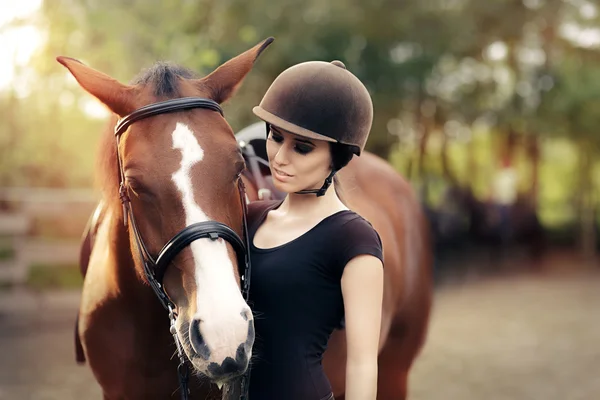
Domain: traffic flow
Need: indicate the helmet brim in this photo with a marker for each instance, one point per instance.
(288, 126)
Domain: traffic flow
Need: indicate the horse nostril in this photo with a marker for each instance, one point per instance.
(241, 357)
(197, 341)
(250, 337)
(246, 314)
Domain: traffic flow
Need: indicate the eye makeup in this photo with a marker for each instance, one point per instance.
(302, 146)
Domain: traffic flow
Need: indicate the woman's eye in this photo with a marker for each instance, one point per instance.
(303, 149)
(276, 138)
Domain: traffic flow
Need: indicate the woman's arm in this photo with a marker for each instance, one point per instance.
(362, 289)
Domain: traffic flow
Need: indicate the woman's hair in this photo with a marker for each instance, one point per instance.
(341, 155)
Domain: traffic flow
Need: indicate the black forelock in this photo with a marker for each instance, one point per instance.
(163, 77)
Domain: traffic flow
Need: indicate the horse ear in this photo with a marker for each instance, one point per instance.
(115, 95)
(225, 80)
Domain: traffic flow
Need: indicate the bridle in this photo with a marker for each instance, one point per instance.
(154, 269)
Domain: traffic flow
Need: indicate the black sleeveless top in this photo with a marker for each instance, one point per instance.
(297, 301)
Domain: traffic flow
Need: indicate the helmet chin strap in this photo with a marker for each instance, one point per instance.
(323, 190)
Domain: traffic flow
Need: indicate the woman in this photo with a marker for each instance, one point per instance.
(315, 262)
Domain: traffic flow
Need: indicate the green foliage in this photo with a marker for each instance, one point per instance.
(45, 144)
(425, 63)
(573, 108)
(121, 38)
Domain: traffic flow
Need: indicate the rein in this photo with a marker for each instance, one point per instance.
(154, 269)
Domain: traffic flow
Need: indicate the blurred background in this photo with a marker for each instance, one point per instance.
(490, 108)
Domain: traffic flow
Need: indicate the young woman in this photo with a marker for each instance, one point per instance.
(315, 263)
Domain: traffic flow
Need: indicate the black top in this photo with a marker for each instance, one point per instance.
(297, 301)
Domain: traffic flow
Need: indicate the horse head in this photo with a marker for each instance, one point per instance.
(176, 169)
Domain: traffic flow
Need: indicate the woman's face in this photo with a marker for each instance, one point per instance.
(297, 163)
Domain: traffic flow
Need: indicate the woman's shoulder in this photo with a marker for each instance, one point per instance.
(353, 222)
(352, 235)
(355, 231)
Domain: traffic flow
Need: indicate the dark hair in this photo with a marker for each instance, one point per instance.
(341, 155)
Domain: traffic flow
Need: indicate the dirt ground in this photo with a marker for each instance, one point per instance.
(525, 336)
(37, 359)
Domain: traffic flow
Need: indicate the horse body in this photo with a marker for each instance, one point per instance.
(179, 175)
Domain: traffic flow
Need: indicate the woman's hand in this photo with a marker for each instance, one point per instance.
(362, 289)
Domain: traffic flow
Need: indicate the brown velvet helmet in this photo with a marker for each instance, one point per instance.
(319, 100)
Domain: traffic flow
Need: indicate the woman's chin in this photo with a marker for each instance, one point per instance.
(283, 187)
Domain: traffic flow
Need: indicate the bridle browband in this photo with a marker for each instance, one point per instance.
(163, 107)
(154, 269)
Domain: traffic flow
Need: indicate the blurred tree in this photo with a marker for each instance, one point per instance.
(522, 69)
(377, 41)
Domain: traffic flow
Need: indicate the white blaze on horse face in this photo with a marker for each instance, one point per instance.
(218, 299)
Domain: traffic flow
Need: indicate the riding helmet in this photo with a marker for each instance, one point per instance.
(319, 100)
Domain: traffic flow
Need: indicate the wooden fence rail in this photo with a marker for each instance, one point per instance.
(41, 226)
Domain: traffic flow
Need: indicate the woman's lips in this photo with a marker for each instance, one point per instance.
(280, 175)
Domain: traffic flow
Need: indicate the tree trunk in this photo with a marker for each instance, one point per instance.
(424, 128)
(446, 169)
(587, 232)
(472, 169)
(533, 151)
(507, 151)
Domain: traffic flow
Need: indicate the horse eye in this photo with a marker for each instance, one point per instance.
(137, 187)
(240, 166)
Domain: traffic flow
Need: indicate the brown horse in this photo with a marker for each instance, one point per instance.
(179, 169)
(372, 188)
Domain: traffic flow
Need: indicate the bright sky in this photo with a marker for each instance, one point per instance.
(18, 44)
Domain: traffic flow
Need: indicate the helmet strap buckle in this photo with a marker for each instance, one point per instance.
(321, 192)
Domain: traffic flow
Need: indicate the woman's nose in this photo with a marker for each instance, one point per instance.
(281, 157)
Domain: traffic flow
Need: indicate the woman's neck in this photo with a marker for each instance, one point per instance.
(306, 204)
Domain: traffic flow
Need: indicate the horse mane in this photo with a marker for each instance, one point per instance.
(163, 77)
